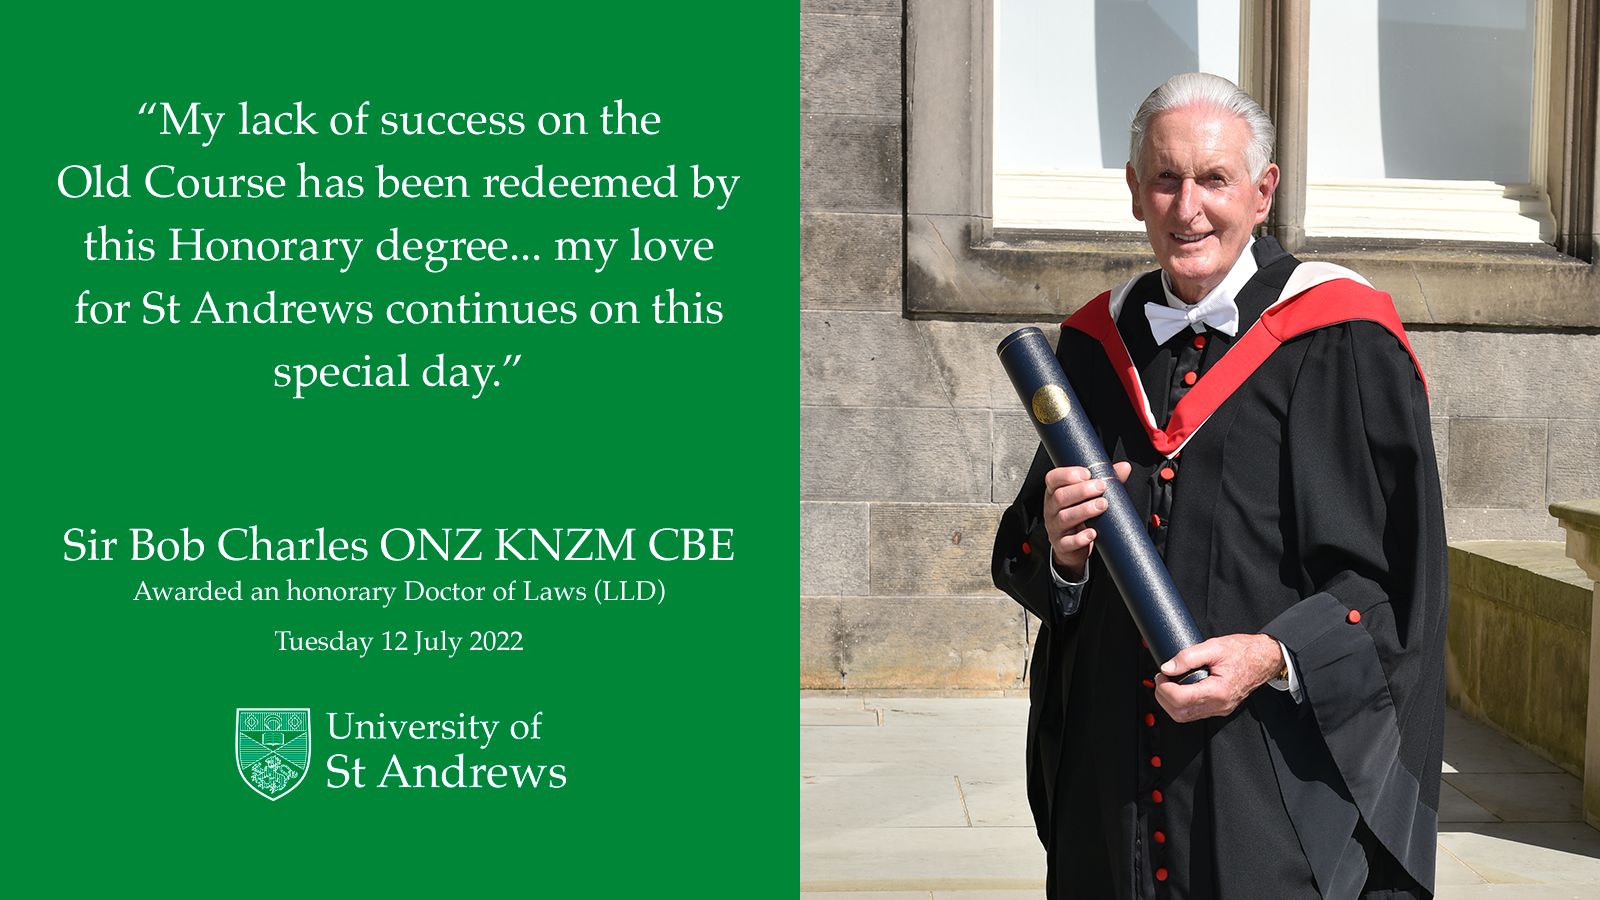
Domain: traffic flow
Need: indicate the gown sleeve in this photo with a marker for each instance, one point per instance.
(1364, 514)
(1021, 562)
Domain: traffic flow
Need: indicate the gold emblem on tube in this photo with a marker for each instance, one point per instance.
(1049, 404)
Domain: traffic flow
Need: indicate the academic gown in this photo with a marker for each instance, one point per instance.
(1306, 507)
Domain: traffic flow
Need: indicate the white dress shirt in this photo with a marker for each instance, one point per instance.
(1219, 307)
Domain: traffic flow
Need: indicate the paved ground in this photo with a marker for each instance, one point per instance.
(907, 798)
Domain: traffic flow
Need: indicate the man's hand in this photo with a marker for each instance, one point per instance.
(1072, 498)
(1239, 663)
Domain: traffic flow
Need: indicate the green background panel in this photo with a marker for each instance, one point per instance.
(675, 722)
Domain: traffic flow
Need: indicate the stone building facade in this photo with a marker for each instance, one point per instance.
(912, 441)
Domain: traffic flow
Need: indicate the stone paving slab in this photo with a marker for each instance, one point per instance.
(997, 804)
(922, 895)
(866, 895)
(931, 804)
(933, 693)
(1448, 870)
(1529, 853)
(1517, 892)
(906, 750)
(835, 802)
(931, 859)
(1471, 747)
(813, 700)
(988, 895)
(981, 712)
(1522, 797)
(858, 717)
(1455, 806)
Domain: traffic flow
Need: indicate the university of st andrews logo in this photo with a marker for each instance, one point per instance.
(273, 749)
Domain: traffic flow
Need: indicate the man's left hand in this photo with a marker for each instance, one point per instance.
(1238, 663)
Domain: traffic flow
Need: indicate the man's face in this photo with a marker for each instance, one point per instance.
(1195, 196)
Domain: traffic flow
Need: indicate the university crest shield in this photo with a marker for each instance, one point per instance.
(273, 749)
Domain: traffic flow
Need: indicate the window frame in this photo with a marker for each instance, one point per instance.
(957, 264)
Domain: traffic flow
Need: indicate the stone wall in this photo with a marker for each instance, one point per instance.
(1581, 521)
(1519, 644)
(911, 441)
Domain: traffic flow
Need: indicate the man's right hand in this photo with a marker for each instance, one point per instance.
(1072, 498)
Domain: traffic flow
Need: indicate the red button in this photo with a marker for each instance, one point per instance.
(1354, 617)
(1155, 762)
(1199, 341)
(1026, 548)
(1160, 836)
(1190, 378)
(1155, 796)
(1155, 520)
(1148, 683)
(1161, 874)
(1167, 474)
(1150, 720)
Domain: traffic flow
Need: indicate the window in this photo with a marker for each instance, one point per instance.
(1068, 74)
(1421, 121)
(1516, 184)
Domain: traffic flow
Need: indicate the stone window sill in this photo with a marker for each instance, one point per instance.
(1031, 275)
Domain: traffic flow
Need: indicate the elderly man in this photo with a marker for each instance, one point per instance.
(1272, 427)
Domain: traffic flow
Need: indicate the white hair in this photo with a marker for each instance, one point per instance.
(1204, 89)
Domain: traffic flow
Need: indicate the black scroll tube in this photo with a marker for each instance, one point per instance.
(1122, 542)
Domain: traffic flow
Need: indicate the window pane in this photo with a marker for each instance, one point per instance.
(1421, 89)
(1068, 76)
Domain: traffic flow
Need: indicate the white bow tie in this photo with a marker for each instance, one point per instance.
(1218, 312)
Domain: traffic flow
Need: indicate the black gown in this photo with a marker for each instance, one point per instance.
(1307, 507)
